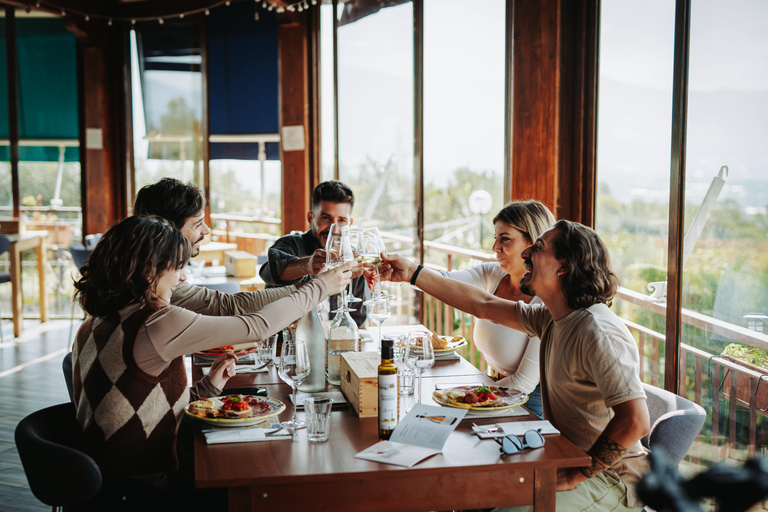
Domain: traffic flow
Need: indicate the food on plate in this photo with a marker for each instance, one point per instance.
(224, 349)
(235, 407)
(201, 407)
(438, 342)
(470, 397)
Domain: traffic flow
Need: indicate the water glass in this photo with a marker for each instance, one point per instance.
(318, 418)
(404, 379)
(266, 349)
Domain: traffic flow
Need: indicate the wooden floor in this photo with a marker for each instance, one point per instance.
(30, 379)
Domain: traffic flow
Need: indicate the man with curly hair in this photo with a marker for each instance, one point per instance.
(590, 387)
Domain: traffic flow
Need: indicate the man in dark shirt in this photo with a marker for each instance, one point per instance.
(296, 258)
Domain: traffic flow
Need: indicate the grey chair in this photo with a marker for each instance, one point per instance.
(5, 277)
(675, 422)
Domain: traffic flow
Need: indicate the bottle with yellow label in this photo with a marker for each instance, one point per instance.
(388, 395)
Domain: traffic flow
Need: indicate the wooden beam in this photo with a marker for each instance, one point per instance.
(292, 33)
(13, 105)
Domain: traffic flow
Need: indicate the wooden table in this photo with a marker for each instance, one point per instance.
(214, 251)
(299, 475)
(29, 240)
(218, 275)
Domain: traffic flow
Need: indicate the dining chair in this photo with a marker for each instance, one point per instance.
(675, 422)
(80, 255)
(5, 277)
(59, 474)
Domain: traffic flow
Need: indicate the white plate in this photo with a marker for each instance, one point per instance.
(510, 398)
(275, 408)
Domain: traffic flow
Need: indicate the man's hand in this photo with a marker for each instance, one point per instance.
(337, 278)
(222, 369)
(396, 268)
(568, 478)
(316, 262)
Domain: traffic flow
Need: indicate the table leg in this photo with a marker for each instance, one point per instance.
(41, 249)
(15, 256)
(544, 490)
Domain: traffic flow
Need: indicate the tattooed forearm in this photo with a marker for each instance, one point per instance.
(605, 453)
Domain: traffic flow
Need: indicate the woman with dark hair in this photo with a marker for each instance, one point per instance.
(513, 357)
(130, 383)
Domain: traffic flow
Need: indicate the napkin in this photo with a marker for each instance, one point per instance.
(517, 428)
(514, 411)
(447, 356)
(339, 402)
(244, 434)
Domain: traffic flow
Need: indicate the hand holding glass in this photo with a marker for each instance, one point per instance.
(293, 370)
(369, 249)
(338, 250)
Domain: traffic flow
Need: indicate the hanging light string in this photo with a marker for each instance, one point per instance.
(53, 8)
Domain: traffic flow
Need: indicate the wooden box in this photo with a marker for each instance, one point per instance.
(12, 226)
(240, 263)
(360, 381)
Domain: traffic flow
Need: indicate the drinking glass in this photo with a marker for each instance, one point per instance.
(378, 312)
(370, 247)
(338, 250)
(293, 370)
(419, 356)
(354, 241)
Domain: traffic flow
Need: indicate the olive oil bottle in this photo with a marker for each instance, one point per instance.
(388, 396)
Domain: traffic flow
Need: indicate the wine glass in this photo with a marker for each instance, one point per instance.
(354, 241)
(338, 250)
(370, 248)
(419, 356)
(293, 370)
(378, 312)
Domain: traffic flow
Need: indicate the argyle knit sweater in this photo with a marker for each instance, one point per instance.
(129, 418)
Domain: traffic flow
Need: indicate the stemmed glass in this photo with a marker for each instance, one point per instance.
(354, 241)
(370, 247)
(419, 356)
(378, 312)
(338, 250)
(293, 370)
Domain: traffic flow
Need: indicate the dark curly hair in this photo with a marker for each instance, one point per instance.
(590, 279)
(334, 191)
(170, 199)
(127, 262)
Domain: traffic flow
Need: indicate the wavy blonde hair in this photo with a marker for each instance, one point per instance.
(531, 218)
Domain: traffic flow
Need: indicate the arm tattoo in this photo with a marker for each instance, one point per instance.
(605, 453)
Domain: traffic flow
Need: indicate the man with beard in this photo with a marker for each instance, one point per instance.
(183, 205)
(589, 362)
(296, 258)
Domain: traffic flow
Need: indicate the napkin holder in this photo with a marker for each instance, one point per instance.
(360, 382)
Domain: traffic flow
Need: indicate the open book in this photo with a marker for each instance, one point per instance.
(421, 434)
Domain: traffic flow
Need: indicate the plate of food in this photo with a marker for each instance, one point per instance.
(445, 344)
(483, 398)
(238, 350)
(234, 410)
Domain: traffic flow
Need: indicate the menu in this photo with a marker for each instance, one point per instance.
(421, 434)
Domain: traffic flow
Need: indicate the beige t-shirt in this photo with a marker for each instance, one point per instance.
(173, 331)
(211, 302)
(589, 363)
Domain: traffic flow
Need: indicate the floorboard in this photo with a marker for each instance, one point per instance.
(30, 379)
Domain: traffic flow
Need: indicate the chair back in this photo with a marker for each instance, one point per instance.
(80, 254)
(58, 473)
(224, 287)
(675, 422)
(5, 244)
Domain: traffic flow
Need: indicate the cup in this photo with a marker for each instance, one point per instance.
(266, 349)
(404, 379)
(318, 418)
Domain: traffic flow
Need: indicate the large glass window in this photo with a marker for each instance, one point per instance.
(167, 101)
(327, 106)
(726, 191)
(375, 59)
(633, 162)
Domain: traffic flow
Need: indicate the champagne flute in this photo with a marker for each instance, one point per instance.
(370, 248)
(378, 312)
(354, 241)
(338, 250)
(293, 370)
(419, 356)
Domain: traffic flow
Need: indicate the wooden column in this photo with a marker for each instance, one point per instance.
(102, 124)
(554, 105)
(292, 33)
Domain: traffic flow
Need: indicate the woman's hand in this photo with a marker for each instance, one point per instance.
(396, 268)
(222, 369)
(337, 278)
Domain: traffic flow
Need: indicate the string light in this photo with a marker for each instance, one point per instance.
(87, 18)
(109, 22)
(181, 16)
(256, 16)
(160, 20)
(207, 12)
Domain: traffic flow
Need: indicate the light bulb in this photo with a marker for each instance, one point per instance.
(109, 23)
(181, 16)
(160, 20)
(256, 16)
(87, 18)
(207, 12)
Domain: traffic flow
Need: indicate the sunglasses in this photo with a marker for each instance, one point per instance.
(532, 439)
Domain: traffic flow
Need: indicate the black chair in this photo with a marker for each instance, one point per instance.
(58, 474)
(66, 368)
(5, 277)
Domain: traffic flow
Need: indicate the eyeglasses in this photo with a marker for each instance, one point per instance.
(532, 439)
